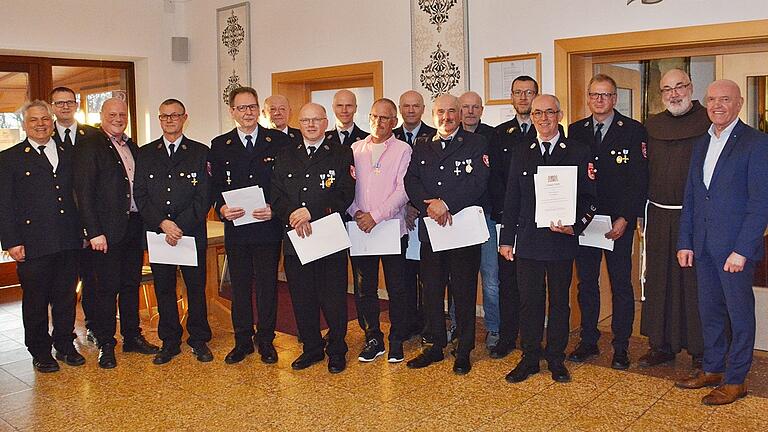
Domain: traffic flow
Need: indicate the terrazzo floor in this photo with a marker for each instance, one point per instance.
(250, 396)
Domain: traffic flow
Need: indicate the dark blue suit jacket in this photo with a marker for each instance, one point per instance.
(730, 216)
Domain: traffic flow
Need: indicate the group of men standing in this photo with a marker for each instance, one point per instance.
(97, 186)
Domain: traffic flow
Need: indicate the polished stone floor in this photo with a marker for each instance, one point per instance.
(187, 395)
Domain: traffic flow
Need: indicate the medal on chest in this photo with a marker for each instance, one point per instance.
(457, 171)
(229, 179)
(468, 168)
(194, 178)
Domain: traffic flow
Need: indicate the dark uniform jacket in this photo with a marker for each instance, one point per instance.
(332, 136)
(323, 184)
(102, 188)
(490, 134)
(508, 137)
(458, 175)
(424, 131)
(294, 135)
(177, 189)
(84, 133)
(37, 206)
(233, 167)
(520, 204)
(618, 166)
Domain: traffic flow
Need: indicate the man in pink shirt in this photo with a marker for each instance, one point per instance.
(381, 161)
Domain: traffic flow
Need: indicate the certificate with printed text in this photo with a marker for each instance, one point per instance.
(555, 195)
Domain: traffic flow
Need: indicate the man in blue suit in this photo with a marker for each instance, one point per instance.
(725, 213)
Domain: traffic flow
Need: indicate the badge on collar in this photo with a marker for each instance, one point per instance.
(26, 150)
(268, 139)
(80, 131)
(511, 130)
(229, 141)
(620, 123)
(291, 135)
(562, 145)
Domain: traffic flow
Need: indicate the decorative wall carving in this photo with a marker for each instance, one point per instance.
(234, 55)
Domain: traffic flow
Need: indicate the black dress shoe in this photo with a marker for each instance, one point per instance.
(462, 365)
(267, 352)
(167, 352)
(140, 345)
(559, 372)
(501, 350)
(336, 364)
(522, 371)
(655, 357)
(238, 354)
(426, 358)
(583, 352)
(107, 358)
(620, 360)
(45, 363)
(306, 360)
(202, 352)
(72, 357)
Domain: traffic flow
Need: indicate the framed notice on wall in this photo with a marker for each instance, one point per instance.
(501, 71)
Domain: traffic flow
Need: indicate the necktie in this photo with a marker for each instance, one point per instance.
(44, 156)
(599, 135)
(171, 150)
(546, 151)
(446, 143)
(249, 143)
(409, 138)
(346, 136)
(312, 150)
(67, 138)
(524, 128)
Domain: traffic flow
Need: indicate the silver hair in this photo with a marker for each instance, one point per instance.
(35, 103)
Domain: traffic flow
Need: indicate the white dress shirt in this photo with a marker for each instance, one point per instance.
(716, 146)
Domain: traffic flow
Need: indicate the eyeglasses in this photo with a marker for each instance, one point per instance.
(528, 93)
(539, 113)
(171, 117)
(244, 108)
(596, 96)
(306, 121)
(62, 104)
(376, 118)
(678, 88)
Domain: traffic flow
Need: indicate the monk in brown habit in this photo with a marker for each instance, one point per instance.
(670, 316)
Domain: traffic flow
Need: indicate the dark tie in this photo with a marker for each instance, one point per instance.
(346, 136)
(409, 138)
(67, 138)
(44, 156)
(446, 143)
(546, 151)
(524, 128)
(171, 150)
(249, 143)
(599, 135)
(312, 150)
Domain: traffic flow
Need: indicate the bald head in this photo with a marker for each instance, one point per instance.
(471, 110)
(313, 121)
(446, 114)
(676, 91)
(277, 110)
(724, 102)
(344, 107)
(114, 116)
(411, 109)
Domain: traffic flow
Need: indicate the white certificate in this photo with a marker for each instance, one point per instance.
(384, 239)
(594, 234)
(468, 228)
(414, 245)
(555, 195)
(328, 237)
(160, 252)
(249, 199)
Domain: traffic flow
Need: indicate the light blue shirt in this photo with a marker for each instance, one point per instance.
(716, 146)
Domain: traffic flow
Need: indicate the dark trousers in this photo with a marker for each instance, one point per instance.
(87, 274)
(460, 266)
(48, 280)
(366, 274)
(509, 302)
(619, 263)
(118, 274)
(320, 284)
(531, 276)
(169, 329)
(251, 264)
(726, 298)
(414, 292)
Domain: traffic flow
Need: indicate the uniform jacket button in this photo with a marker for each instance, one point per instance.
(439, 183)
(28, 221)
(167, 202)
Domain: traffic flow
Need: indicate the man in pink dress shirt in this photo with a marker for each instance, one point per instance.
(381, 161)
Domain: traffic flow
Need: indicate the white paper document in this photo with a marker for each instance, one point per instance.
(414, 245)
(555, 195)
(468, 228)
(384, 239)
(249, 199)
(328, 237)
(594, 234)
(160, 252)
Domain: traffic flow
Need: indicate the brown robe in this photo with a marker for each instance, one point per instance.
(670, 316)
